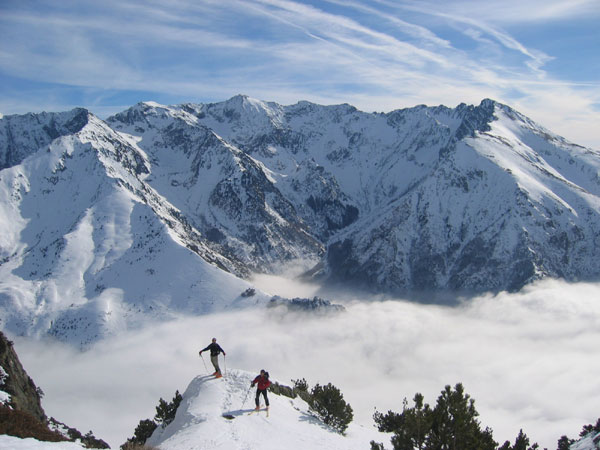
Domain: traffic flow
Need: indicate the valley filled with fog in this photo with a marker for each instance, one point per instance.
(530, 360)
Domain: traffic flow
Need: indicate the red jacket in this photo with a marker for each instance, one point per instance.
(263, 382)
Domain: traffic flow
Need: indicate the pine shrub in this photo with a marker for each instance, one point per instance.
(521, 443)
(587, 429)
(301, 389)
(142, 432)
(300, 385)
(452, 424)
(165, 412)
(328, 403)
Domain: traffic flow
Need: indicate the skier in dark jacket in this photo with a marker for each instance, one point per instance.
(263, 383)
(215, 349)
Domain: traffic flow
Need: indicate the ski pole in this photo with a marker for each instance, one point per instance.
(205, 368)
(246, 397)
(224, 364)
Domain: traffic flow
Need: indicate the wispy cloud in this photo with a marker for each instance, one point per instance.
(516, 11)
(378, 55)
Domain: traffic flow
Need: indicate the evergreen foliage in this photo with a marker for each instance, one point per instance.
(564, 443)
(451, 425)
(521, 443)
(143, 432)
(329, 404)
(165, 412)
(376, 446)
(300, 385)
(301, 389)
(587, 429)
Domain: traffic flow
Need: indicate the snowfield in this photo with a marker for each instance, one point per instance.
(200, 422)
(15, 443)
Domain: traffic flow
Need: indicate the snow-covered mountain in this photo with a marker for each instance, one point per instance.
(165, 210)
(472, 198)
(87, 247)
(213, 414)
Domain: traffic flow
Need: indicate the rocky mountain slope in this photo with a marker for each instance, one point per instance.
(165, 210)
(21, 409)
(88, 248)
(473, 198)
(18, 389)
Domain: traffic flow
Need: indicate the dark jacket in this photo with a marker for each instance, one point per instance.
(214, 348)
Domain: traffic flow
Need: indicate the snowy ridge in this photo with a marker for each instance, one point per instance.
(222, 191)
(21, 136)
(163, 210)
(80, 219)
(200, 422)
(471, 198)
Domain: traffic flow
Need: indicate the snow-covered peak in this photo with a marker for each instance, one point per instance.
(23, 135)
(243, 115)
(218, 414)
(244, 102)
(152, 104)
(149, 115)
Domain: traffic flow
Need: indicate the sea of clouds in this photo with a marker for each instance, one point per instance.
(530, 360)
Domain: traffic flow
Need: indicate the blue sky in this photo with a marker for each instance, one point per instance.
(541, 57)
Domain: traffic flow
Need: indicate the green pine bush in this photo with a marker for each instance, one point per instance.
(452, 424)
(165, 412)
(328, 403)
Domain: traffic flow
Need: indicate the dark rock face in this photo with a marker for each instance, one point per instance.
(25, 416)
(474, 118)
(21, 388)
(308, 305)
(22, 135)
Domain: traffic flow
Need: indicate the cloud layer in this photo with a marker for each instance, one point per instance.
(530, 360)
(380, 55)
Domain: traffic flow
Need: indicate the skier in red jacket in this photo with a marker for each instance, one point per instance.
(263, 383)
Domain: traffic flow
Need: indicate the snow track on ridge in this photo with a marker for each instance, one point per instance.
(200, 422)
